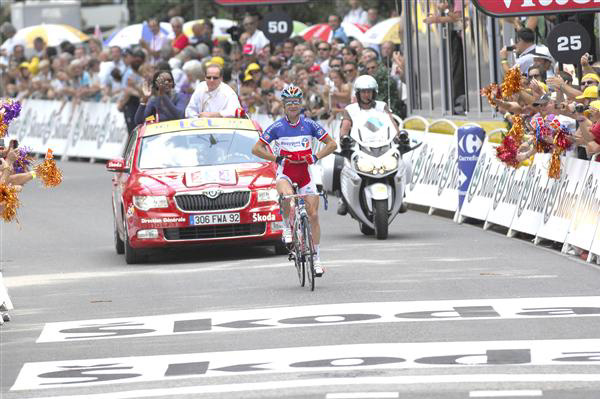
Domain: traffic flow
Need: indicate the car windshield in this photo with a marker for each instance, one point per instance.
(197, 148)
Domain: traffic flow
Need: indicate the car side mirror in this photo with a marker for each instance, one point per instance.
(117, 165)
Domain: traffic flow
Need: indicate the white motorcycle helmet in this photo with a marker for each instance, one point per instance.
(365, 82)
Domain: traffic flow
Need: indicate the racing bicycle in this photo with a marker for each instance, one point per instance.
(301, 249)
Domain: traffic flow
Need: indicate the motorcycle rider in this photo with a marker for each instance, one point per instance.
(365, 90)
(294, 133)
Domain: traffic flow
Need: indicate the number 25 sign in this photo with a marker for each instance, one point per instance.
(567, 42)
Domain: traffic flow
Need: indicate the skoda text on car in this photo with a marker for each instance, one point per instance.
(193, 181)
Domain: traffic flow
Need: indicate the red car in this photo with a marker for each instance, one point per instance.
(193, 181)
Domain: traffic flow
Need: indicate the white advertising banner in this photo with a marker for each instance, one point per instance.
(42, 125)
(529, 214)
(434, 180)
(415, 137)
(89, 120)
(562, 200)
(90, 130)
(506, 196)
(584, 222)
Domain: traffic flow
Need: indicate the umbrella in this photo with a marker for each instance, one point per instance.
(52, 34)
(323, 31)
(220, 27)
(384, 31)
(131, 35)
(298, 27)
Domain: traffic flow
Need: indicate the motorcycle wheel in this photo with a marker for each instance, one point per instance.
(366, 230)
(380, 219)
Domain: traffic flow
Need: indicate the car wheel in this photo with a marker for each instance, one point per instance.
(119, 244)
(132, 255)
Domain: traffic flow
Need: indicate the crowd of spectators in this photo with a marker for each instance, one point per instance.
(253, 66)
(550, 93)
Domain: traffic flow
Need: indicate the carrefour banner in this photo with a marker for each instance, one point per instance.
(470, 140)
(585, 220)
(562, 200)
(484, 180)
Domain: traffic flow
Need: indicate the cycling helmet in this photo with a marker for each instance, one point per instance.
(365, 82)
(291, 91)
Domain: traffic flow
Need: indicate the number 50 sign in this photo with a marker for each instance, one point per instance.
(567, 42)
(277, 26)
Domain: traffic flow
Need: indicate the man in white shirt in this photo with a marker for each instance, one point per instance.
(213, 98)
(257, 37)
(356, 15)
(156, 42)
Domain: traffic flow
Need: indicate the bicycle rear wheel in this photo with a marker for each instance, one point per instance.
(309, 252)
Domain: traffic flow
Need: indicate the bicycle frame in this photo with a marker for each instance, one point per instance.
(302, 250)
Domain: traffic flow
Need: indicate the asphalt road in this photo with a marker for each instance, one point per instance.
(439, 310)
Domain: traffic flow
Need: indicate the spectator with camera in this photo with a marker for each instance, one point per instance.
(524, 49)
(159, 100)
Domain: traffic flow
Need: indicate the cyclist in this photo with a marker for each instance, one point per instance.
(365, 90)
(294, 134)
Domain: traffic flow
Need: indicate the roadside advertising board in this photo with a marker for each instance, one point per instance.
(434, 180)
(562, 200)
(585, 220)
(529, 213)
(479, 194)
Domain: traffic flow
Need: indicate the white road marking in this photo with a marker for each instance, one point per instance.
(321, 315)
(362, 395)
(505, 393)
(323, 382)
(395, 356)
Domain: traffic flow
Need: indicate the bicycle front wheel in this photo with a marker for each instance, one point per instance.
(299, 264)
(309, 253)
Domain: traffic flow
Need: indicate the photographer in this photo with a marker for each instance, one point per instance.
(524, 48)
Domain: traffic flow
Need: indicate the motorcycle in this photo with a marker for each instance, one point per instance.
(374, 175)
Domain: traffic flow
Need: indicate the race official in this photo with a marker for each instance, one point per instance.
(213, 98)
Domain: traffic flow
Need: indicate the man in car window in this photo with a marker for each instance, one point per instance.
(213, 98)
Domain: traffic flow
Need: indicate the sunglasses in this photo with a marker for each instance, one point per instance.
(588, 82)
(293, 102)
(213, 78)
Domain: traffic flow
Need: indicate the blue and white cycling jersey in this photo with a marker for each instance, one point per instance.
(295, 142)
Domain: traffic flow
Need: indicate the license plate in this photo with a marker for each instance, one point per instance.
(215, 218)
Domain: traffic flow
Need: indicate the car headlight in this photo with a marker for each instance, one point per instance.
(390, 163)
(269, 195)
(364, 165)
(145, 202)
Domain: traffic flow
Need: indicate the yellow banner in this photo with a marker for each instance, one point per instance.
(198, 123)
